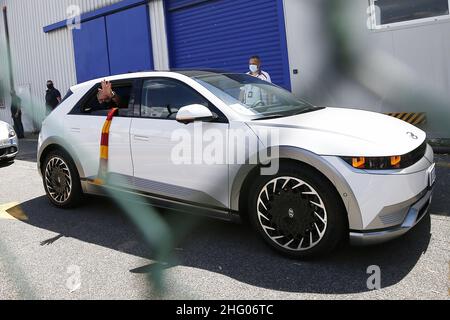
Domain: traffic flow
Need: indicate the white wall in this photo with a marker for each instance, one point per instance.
(38, 56)
(406, 59)
(311, 52)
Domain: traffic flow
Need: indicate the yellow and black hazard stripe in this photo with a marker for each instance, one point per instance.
(104, 149)
(413, 118)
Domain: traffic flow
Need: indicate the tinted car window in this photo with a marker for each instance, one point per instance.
(162, 98)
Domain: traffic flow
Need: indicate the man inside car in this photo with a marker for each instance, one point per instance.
(107, 97)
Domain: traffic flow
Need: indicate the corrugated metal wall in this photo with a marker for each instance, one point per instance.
(159, 35)
(37, 56)
(224, 34)
(5, 114)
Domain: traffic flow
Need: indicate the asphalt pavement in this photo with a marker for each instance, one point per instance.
(95, 252)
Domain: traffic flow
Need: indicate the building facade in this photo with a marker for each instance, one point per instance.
(71, 41)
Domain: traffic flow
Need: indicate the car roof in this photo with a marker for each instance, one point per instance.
(200, 72)
(187, 72)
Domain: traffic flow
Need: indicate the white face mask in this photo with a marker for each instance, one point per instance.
(253, 68)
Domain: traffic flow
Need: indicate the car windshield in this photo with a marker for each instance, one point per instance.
(253, 97)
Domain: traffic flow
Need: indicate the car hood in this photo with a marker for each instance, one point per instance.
(342, 132)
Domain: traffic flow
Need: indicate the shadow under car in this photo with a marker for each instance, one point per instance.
(232, 249)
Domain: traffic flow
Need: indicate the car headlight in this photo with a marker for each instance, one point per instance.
(374, 163)
(11, 132)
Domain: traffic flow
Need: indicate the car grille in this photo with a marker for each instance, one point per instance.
(393, 219)
(414, 156)
(7, 151)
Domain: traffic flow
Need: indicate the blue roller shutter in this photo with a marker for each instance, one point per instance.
(223, 34)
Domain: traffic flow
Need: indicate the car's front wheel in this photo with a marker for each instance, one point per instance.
(297, 212)
(61, 180)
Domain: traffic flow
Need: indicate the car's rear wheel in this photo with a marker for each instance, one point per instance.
(297, 212)
(61, 180)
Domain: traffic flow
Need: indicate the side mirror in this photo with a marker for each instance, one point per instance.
(193, 113)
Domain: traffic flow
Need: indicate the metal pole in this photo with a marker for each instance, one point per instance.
(8, 48)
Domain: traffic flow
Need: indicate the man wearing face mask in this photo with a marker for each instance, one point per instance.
(52, 97)
(251, 95)
(256, 71)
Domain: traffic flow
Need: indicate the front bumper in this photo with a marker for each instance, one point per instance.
(415, 214)
(390, 202)
(9, 148)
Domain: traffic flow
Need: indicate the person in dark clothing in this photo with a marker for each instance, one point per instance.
(52, 96)
(16, 113)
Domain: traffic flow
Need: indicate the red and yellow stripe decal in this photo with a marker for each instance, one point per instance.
(410, 117)
(104, 148)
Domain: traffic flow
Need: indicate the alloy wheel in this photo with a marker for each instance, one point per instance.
(292, 213)
(58, 180)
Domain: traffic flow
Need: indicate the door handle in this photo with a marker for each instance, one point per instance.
(76, 130)
(141, 138)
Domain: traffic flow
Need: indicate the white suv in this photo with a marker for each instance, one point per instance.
(233, 146)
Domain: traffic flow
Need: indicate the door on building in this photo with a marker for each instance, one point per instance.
(30, 116)
(224, 34)
(113, 44)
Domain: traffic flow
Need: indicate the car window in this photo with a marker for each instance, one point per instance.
(162, 98)
(91, 106)
(252, 97)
